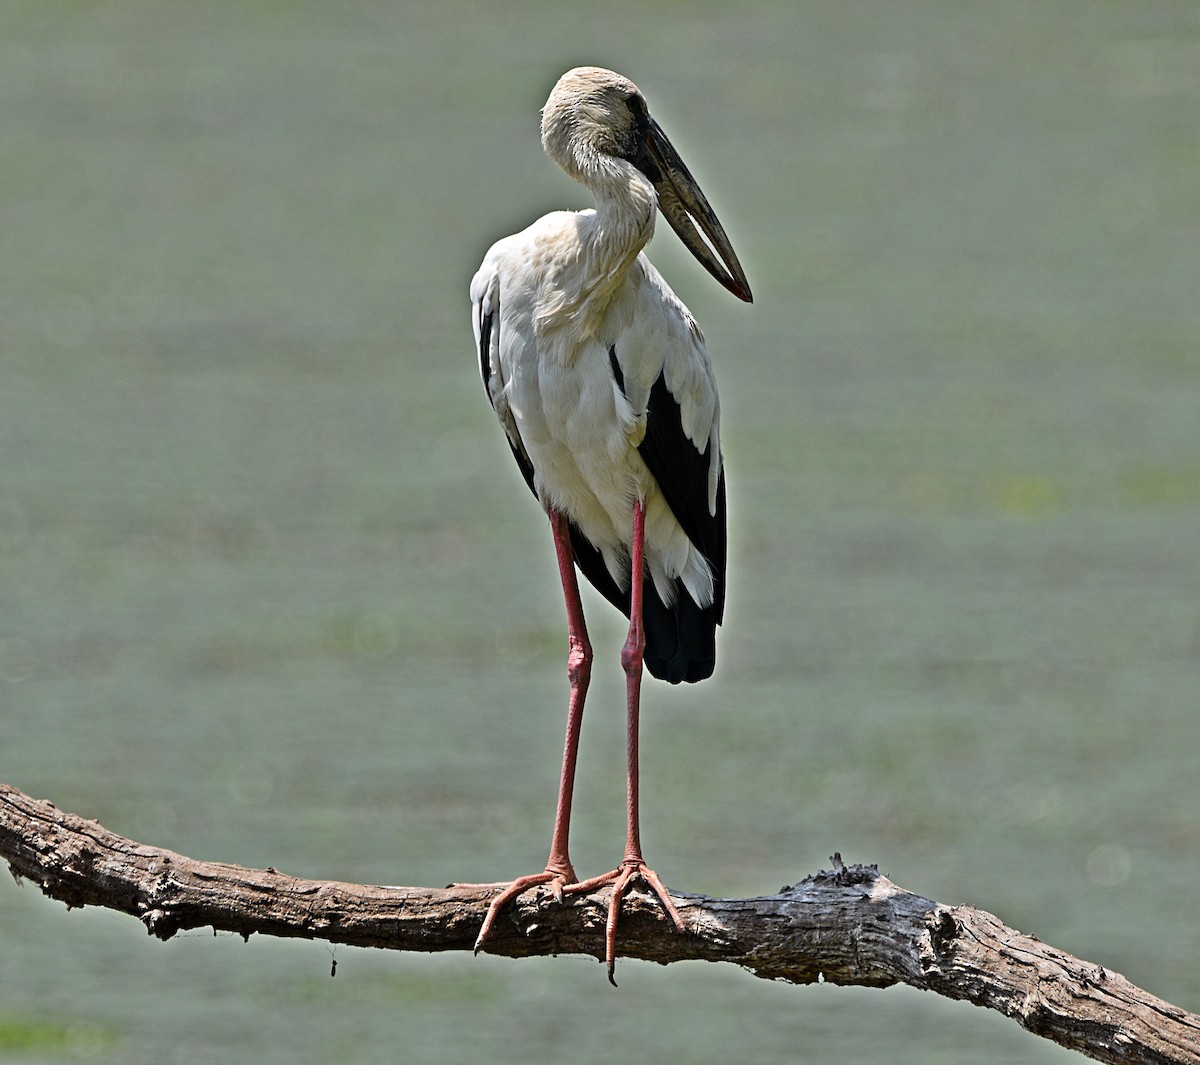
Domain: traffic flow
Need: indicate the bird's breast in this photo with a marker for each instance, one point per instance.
(580, 433)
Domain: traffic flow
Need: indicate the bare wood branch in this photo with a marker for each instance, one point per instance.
(848, 926)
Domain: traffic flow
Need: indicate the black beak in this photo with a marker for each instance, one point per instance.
(681, 201)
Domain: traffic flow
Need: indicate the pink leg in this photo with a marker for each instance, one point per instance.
(633, 866)
(559, 873)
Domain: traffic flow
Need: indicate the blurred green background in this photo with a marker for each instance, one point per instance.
(272, 591)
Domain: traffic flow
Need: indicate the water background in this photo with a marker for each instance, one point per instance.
(272, 590)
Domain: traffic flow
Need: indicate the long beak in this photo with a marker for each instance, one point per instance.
(681, 201)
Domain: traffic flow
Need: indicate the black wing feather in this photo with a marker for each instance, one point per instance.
(681, 638)
(485, 371)
(681, 470)
(485, 347)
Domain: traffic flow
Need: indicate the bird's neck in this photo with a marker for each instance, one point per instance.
(610, 239)
(624, 220)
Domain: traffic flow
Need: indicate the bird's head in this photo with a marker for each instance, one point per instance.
(587, 117)
(596, 121)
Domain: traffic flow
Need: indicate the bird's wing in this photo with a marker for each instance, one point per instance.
(485, 322)
(662, 366)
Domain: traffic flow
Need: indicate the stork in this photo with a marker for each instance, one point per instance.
(601, 380)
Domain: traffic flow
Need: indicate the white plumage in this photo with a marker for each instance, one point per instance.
(553, 388)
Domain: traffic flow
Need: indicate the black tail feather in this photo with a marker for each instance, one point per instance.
(681, 640)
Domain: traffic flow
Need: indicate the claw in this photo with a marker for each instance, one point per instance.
(622, 879)
(563, 884)
(556, 879)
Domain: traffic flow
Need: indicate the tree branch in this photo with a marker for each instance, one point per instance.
(848, 926)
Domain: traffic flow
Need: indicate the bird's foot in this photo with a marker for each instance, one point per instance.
(622, 879)
(558, 878)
